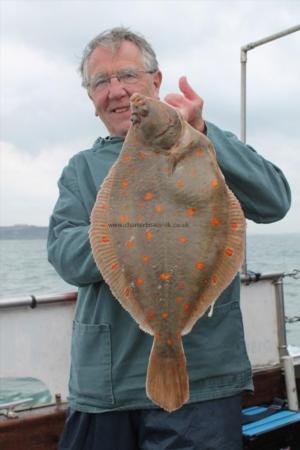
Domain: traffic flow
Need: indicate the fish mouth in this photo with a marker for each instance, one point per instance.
(136, 116)
(139, 108)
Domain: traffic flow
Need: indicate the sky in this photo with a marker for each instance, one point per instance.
(46, 116)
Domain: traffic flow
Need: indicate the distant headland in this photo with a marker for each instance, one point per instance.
(23, 231)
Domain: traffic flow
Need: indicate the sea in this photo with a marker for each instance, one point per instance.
(24, 270)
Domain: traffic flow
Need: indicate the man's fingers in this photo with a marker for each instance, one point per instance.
(173, 99)
(186, 89)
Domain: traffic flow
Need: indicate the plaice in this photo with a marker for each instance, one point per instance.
(167, 235)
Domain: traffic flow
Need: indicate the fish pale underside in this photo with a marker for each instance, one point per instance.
(167, 235)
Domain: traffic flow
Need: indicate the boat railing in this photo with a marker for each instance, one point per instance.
(33, 301)
(265, 290)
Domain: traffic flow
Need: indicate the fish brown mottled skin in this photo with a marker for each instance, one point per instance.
(167, 235)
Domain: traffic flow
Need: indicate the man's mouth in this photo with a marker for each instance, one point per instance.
(121, 110)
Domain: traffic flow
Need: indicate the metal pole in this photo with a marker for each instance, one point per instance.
(243, 129)
(282, 340)
(33, 301)
(290, 382)
(243, 94)
(244, 50)
(271, 37)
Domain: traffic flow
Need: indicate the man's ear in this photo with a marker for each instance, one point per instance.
(157, 79)
(90, 97)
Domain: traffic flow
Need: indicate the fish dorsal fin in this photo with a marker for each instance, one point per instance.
(105, 257)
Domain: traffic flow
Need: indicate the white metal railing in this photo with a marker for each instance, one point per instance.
(288, 361)
(244, 51)
(33, 301)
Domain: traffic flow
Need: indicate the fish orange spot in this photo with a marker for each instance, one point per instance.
(229, 251)
(142, 155)
(198, 152)
(235, 226)
(193, 172)
(151, 315)
(149, 196)
(146, 258)
(158, 208)
(127, 291)
(214, 183)
(105, 239)
(181, 285)
(124, 219)
(180, 183)
(186, 307)
(114, 266)
(126, 158)
(215, 222)
(183, 239)
(200, 265)
(102, 206)
(214, 279)
(170, 342)
(139, 281)
(178, 299)
(149, 235)
(190, 211)
(124, 184)
(130, 243)
(165, 276)
(164, 315)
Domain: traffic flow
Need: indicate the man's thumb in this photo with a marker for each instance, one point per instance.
(186, 89)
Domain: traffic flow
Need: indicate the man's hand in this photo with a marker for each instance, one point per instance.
(189, 104)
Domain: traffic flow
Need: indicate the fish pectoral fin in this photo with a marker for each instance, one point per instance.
(178, 152)
(167, 382)
(172, 163)
(174, 156)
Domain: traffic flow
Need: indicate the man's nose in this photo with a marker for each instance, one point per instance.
(116, 88)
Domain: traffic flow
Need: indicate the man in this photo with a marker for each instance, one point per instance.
(108, 405)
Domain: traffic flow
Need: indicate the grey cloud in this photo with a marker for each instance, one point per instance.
(43, 107)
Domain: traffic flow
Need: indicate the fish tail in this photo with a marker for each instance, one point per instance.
(167, 382)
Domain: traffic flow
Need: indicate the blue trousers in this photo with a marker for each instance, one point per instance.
(210, 425)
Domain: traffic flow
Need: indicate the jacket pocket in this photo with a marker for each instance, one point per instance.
(216, 346)
(90, 378)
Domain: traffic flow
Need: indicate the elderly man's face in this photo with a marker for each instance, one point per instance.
(111, 99)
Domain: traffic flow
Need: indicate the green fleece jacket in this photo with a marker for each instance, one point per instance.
(109, 353)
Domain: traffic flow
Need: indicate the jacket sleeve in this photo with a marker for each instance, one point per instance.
(68, 244)
(260, 186)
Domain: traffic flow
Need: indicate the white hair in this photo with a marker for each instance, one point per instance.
(113, 38)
